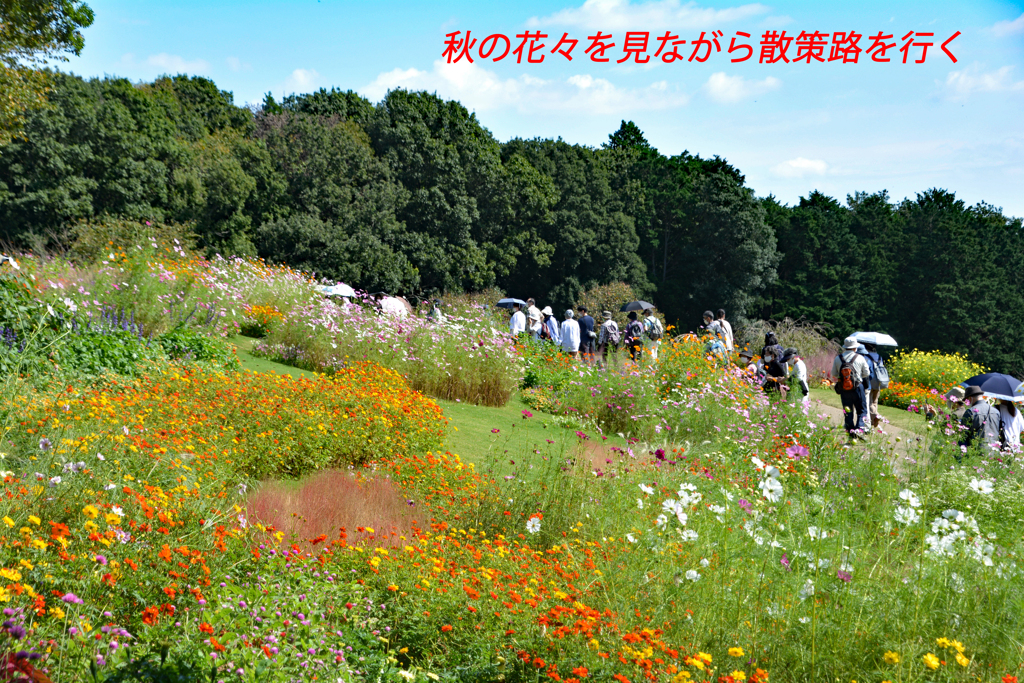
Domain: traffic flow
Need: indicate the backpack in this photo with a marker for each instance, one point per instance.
(634, 332)
(882, 374)
(845, 381)
(613, 333)
(656, 330)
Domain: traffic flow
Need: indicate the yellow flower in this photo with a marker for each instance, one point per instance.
(35, 520)
(931, 661)
(26, 564)
(91, 527)
(961, 660)
(40, 543)
(705, 656)
(9, 522)
(10, 574)
(957, 645)
(892, 658)
(942, 642)
(56, 613)
(90, 511)
(681, 677)
(735, 651)
(738, 676)
(112, 519)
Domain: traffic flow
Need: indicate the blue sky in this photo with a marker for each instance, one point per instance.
(790, 128)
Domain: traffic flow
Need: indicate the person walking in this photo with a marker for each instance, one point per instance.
(588, 336)
(535, 325)
(609, 336)
(551, 329)
(774, 374)
(713, 326)
(435, 315)
(874, 362)
(517, 324)
(1012, 422)
(634, 337)
(570, 335)
(798, 371)
(852, 378)
(980, 420)
(727, 330)
(653, 331)
(531, 308)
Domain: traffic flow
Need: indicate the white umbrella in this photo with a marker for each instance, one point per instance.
(876, 338)
(340, 289)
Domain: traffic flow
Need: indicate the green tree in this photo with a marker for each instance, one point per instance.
(31, 33)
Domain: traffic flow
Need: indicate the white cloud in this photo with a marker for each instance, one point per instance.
(302, 80)
(726, 89)
(622, 15)
(236, 64)
(1008, 28)
(482, 90)
(177, 64)
(800, 167)
(961, 84)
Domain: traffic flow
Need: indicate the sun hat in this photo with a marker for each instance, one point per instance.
(547, 311)
(568, 313)
(746, 354)
(850, 344)
(973, 391)
(607, 315)
(955, 394)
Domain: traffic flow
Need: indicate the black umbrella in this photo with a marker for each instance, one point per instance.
(509, 303)
(997, 386)
(636, 306)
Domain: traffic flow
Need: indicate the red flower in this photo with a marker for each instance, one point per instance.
(1009, 679)
(539, 663)
(205, 628)
(580, 671)
(446, 628)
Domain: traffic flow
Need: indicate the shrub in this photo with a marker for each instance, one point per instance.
(610, 297)
(809, 338)
(932, 369)
(191, 345)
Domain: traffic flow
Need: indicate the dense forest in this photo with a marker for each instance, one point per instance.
(413, 195)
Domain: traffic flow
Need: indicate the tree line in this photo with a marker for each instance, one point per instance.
(412, 195)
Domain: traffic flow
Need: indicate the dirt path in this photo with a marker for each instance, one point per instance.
(899, 444)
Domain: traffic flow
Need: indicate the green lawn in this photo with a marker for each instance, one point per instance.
(900, 418)
(474, 440)
(251, 362)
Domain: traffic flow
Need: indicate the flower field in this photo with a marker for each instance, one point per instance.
(191, 521)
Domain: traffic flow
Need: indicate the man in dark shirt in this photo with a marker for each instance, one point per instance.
(587, 335)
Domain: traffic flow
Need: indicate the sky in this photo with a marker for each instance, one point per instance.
(790, 128)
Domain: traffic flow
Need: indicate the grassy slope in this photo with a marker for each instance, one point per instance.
(251, 362)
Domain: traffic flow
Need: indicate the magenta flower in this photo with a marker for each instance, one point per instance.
(845, 577)
(495, 431)
(71, 598)
(102, 560)
(796, 451)
(785, 562)
(526, 414)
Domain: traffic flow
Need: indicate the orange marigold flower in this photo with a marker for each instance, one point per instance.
(580, 671)
(205, 628)
(446, 628)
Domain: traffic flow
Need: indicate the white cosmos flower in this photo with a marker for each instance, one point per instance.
(907, 516)
(758, 463)
(772, 472)
(117, 511)
(646, 489)
(982, 486)
(681, 516)
(693, 575)
(669, 506)
(705, 562)
(771, 489)
(662, 520)
(533, 525)
(631, 538)
(911, 498)
(640, 503)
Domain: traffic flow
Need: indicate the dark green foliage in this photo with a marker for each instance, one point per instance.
(192, 345)
(414, 196)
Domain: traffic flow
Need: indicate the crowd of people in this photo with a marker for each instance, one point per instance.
(579, 335)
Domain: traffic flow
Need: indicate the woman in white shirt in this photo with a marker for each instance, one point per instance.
(1012, 422)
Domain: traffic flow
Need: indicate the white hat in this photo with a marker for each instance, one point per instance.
(547, 310)
(568, 313)
(850, 344)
